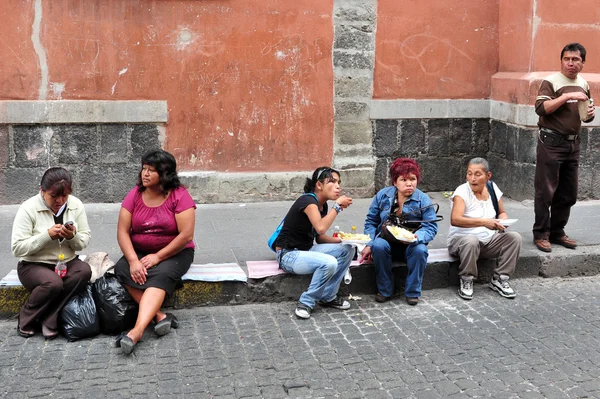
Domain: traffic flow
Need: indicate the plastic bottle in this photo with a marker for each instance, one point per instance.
(353, 230)
(336, 230)
(61, 266)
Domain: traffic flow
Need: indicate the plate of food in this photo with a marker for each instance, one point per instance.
(402, 234)
(354, 238)
(507, 222)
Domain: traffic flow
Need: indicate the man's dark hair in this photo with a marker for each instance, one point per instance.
(574, 47)
(57, 181)
(165, 165)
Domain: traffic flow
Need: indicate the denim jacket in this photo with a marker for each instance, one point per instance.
(381, 206)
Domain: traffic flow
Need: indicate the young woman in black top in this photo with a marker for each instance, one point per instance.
(308, 220)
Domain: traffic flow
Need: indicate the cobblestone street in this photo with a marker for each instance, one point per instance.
(543, 344)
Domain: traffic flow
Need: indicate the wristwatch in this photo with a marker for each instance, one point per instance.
(337, 207)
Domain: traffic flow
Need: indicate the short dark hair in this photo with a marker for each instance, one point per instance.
(322, 173)
(574, 47)
(166, 166)
(57, 180)
(404, 167)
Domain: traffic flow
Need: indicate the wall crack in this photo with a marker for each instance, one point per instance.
(39, 49)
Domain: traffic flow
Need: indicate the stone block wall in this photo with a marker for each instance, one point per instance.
(353, 62)
(512, 156)
(104, 159)
(441, 146)
(444, 146)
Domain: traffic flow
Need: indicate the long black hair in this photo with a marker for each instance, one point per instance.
(166, 166)
(321, 174)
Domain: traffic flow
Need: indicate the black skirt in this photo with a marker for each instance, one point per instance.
(166, 275)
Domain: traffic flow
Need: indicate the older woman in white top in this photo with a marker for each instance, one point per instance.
(477, 232)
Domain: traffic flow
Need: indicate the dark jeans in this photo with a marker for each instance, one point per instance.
(48, 292)
(556, 175)
(416, 262)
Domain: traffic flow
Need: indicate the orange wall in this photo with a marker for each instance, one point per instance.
(532, 35)
(249, 83)
(18, 62)
(435, 49)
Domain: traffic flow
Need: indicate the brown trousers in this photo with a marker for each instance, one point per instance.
(48, 292)
(469, 249)
(556, 175)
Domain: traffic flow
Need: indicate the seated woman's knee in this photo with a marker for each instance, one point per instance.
(85, 273)
(346, 250)
(515, 237)
(380, 246)
(53, 287)
(330, 266)
(418, 250)
(470, 241)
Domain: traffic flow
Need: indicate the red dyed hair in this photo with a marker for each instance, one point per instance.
(404, 167)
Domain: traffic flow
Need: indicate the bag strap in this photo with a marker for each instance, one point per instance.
(492, 192)
(436, 207)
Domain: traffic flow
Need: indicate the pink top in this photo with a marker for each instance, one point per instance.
(152, 229)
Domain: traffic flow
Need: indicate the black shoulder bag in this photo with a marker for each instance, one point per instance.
(492, 192)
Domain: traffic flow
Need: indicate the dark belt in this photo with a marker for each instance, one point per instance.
(568, 137)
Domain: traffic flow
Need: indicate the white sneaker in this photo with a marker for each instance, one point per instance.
(502, 286)
(302, 311)
(465, 291)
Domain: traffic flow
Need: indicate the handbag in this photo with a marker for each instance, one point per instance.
(410, 221)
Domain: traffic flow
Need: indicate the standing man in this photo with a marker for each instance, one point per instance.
(557, 160)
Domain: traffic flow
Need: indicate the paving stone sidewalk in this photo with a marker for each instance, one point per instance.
(543, 344)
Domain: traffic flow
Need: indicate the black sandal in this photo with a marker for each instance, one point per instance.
(49, 333)
(125, 343)
(164, 326)
(25, 334)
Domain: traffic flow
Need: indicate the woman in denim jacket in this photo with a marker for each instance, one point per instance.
(403, 197)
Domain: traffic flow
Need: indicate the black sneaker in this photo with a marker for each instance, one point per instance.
(338, 302)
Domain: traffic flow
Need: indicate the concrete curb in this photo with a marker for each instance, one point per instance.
(585, 261)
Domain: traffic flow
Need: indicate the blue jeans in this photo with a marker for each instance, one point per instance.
(328, 264)
(416, 261)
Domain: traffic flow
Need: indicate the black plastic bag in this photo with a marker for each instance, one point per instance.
(78, 318)
(116, 308)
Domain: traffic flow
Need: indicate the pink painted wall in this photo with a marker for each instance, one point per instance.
(435, 49)
(249, 84)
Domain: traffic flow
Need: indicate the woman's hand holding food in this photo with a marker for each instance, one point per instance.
(344, 201)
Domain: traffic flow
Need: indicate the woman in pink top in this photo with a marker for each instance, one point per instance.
(155, 233)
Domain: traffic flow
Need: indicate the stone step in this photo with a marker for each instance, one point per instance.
(584, 261)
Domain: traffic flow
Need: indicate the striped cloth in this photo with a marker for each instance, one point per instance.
(263, 268)
(210, 272)
(215, 272)
(10, 280)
